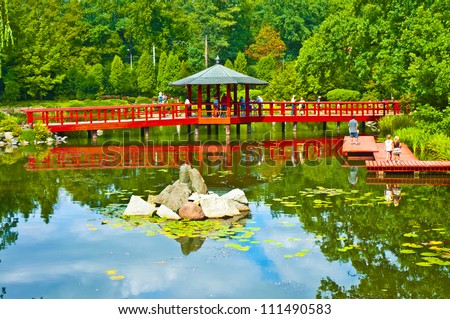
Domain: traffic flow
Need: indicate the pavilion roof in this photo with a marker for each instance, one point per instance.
(218, 74)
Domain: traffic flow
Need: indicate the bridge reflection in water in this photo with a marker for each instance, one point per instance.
(168, 155)
(213, 154)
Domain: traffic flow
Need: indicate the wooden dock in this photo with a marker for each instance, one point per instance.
(374, 156)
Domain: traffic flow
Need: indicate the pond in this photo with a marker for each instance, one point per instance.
(316, 229)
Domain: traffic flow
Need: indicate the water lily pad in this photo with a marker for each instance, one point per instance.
(407, 251)
(238, 247)
(111, 271)
(287, 256)
(412, 245)
(428, 254)
(423, 264)
(410, 235)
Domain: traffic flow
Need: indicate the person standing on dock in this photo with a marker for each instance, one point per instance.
(397, 150)
(353, 130)
(388, 146)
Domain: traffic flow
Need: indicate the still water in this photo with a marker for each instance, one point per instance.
(317, 229)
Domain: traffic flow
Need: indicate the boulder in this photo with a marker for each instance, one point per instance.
(217, 207)
(237, 195)
(165, 212)
(9, 136)
(184, 173)
(197, 183)
(197, 197)
(139, 207)
(164, 195)
(241, 207)
(173, 196)
(191, 211)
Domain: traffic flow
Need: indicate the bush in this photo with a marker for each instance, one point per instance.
(343, 95)
(252, 94)
(432, 120)
(41, 132)
(143, 100)
(27, 135)
(415, 138)
(388, 124)
(437, 147)
(9, 124)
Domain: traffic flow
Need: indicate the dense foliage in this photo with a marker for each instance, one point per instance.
(53, 49)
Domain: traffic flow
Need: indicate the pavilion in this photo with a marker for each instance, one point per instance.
(216, 76)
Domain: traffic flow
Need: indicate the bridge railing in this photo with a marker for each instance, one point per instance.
(148, 112)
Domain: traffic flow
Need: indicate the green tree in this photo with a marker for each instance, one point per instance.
(294, 19)
(161, 70)
(265, 68)
(229, 64)
(146, 75)
(171, 72)
(240, 64)
(284, 84)
(6, 36)
(119, 76)
(267, 42)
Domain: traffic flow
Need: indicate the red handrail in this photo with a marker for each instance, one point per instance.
(60, 119)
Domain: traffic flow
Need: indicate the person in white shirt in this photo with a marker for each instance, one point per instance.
(388, 147)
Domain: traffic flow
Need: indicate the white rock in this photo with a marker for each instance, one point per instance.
(217, 207)
(9, 136)
(164, 211)
(237, 195)
(139, 207)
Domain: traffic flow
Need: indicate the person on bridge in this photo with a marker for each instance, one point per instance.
(223, 102)
(353, 129)
(242, 104)
(293, 104)
(216, 106)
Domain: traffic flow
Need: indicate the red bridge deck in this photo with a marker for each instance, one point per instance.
(133, 116)
(408, 166)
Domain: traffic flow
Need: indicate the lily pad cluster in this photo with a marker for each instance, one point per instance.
(352, 198)
(428, 252)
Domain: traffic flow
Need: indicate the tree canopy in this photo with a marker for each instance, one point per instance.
(381, 49)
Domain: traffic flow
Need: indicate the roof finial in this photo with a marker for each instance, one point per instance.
(217, 60)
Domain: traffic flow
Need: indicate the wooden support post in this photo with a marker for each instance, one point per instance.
(189, 129)
(338, 124)
(283, 127)
(324, 126)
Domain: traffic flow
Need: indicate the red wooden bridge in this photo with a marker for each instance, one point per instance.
(147, 115)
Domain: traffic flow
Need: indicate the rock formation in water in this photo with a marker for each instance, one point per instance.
(189, 198)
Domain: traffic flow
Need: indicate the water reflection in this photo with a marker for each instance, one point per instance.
(314, 233)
